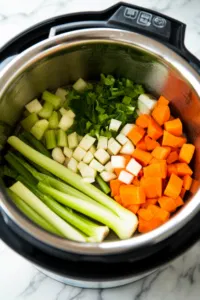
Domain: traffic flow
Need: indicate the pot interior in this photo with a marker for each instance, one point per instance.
(61, 64)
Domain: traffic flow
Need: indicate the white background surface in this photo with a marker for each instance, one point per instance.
(19, 280)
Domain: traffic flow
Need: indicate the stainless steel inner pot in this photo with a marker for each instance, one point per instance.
(61, 60)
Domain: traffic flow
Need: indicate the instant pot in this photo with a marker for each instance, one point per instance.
(124, 40)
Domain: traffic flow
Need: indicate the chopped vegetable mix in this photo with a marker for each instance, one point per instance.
(98, 156)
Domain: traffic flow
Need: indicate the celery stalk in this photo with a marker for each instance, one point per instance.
(31, 214)
(103, 185)
(130, 220)
(96, 232)
(35, 203)
(35, 143)
(10, 158)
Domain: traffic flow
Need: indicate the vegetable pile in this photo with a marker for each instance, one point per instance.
(79, 145)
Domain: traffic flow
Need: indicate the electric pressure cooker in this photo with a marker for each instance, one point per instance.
(124, 40)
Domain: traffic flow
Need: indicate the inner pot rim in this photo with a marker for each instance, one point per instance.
(68, 40)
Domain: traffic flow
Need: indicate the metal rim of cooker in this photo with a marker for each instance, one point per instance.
(54, 44)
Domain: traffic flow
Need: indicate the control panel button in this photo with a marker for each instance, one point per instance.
(159, 22)
(144, 18)
(130, 13)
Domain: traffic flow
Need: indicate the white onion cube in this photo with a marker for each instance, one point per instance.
(67, 159)
(118, 161)
(113, 146)
(68, 152)
(88, 157)
(108, 167)
(125, 177)
(79, 153)
(87, 142)
(148, 100)
(143, 109)
(72, 165)
(102, 156)
(128, 148)
(114, 125)
(102, 142)
(86, 171)
(72, 140)
(107, 176)
(58, 155)
(61, 93)
(127, 128)
(65, 122)
(34, 106)
(96, 165)
(121, 138)
(133, 167)
(89, 179)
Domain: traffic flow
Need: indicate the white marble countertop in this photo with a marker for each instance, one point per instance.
(19, 280)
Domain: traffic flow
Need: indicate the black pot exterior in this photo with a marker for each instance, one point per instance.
(127, 263)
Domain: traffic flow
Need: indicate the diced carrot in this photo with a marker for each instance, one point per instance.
(142, 156)
(146, 226)
(179, 201)
(143, 121)
(154, 161)
(114, 186)
(142, 145)
(131, 194)
(182, 193)
(172, 140)
(172, 157)
(186, 153)
(118, 171)
(161, 152)
(118, 199)
(162, 101)
(145, 214)
(194, 186)
(149, 201)
(172, 169)
(134, 208)
(136, 181)
(183, 169)
(159, 212)
(140, 174)
(167, 203)
(127, 158)
(161, 114)
(156, 170)
(150, 144)
(175, 127)
(136, 134)
(174, 186)
(154, 130)
(187, 182)
(152, 186)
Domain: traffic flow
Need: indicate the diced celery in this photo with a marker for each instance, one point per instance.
(58, 155)
(73, 140)
(34, 106)
(65, 122)
(61, 93)
(29, 121)
(46, 111)
(53, 120)
(61, 138)
(51, 98)
(80, 85)
(39, 128)
(50, 139)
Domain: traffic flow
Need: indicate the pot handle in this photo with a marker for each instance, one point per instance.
(138, 19)
(166, 30)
